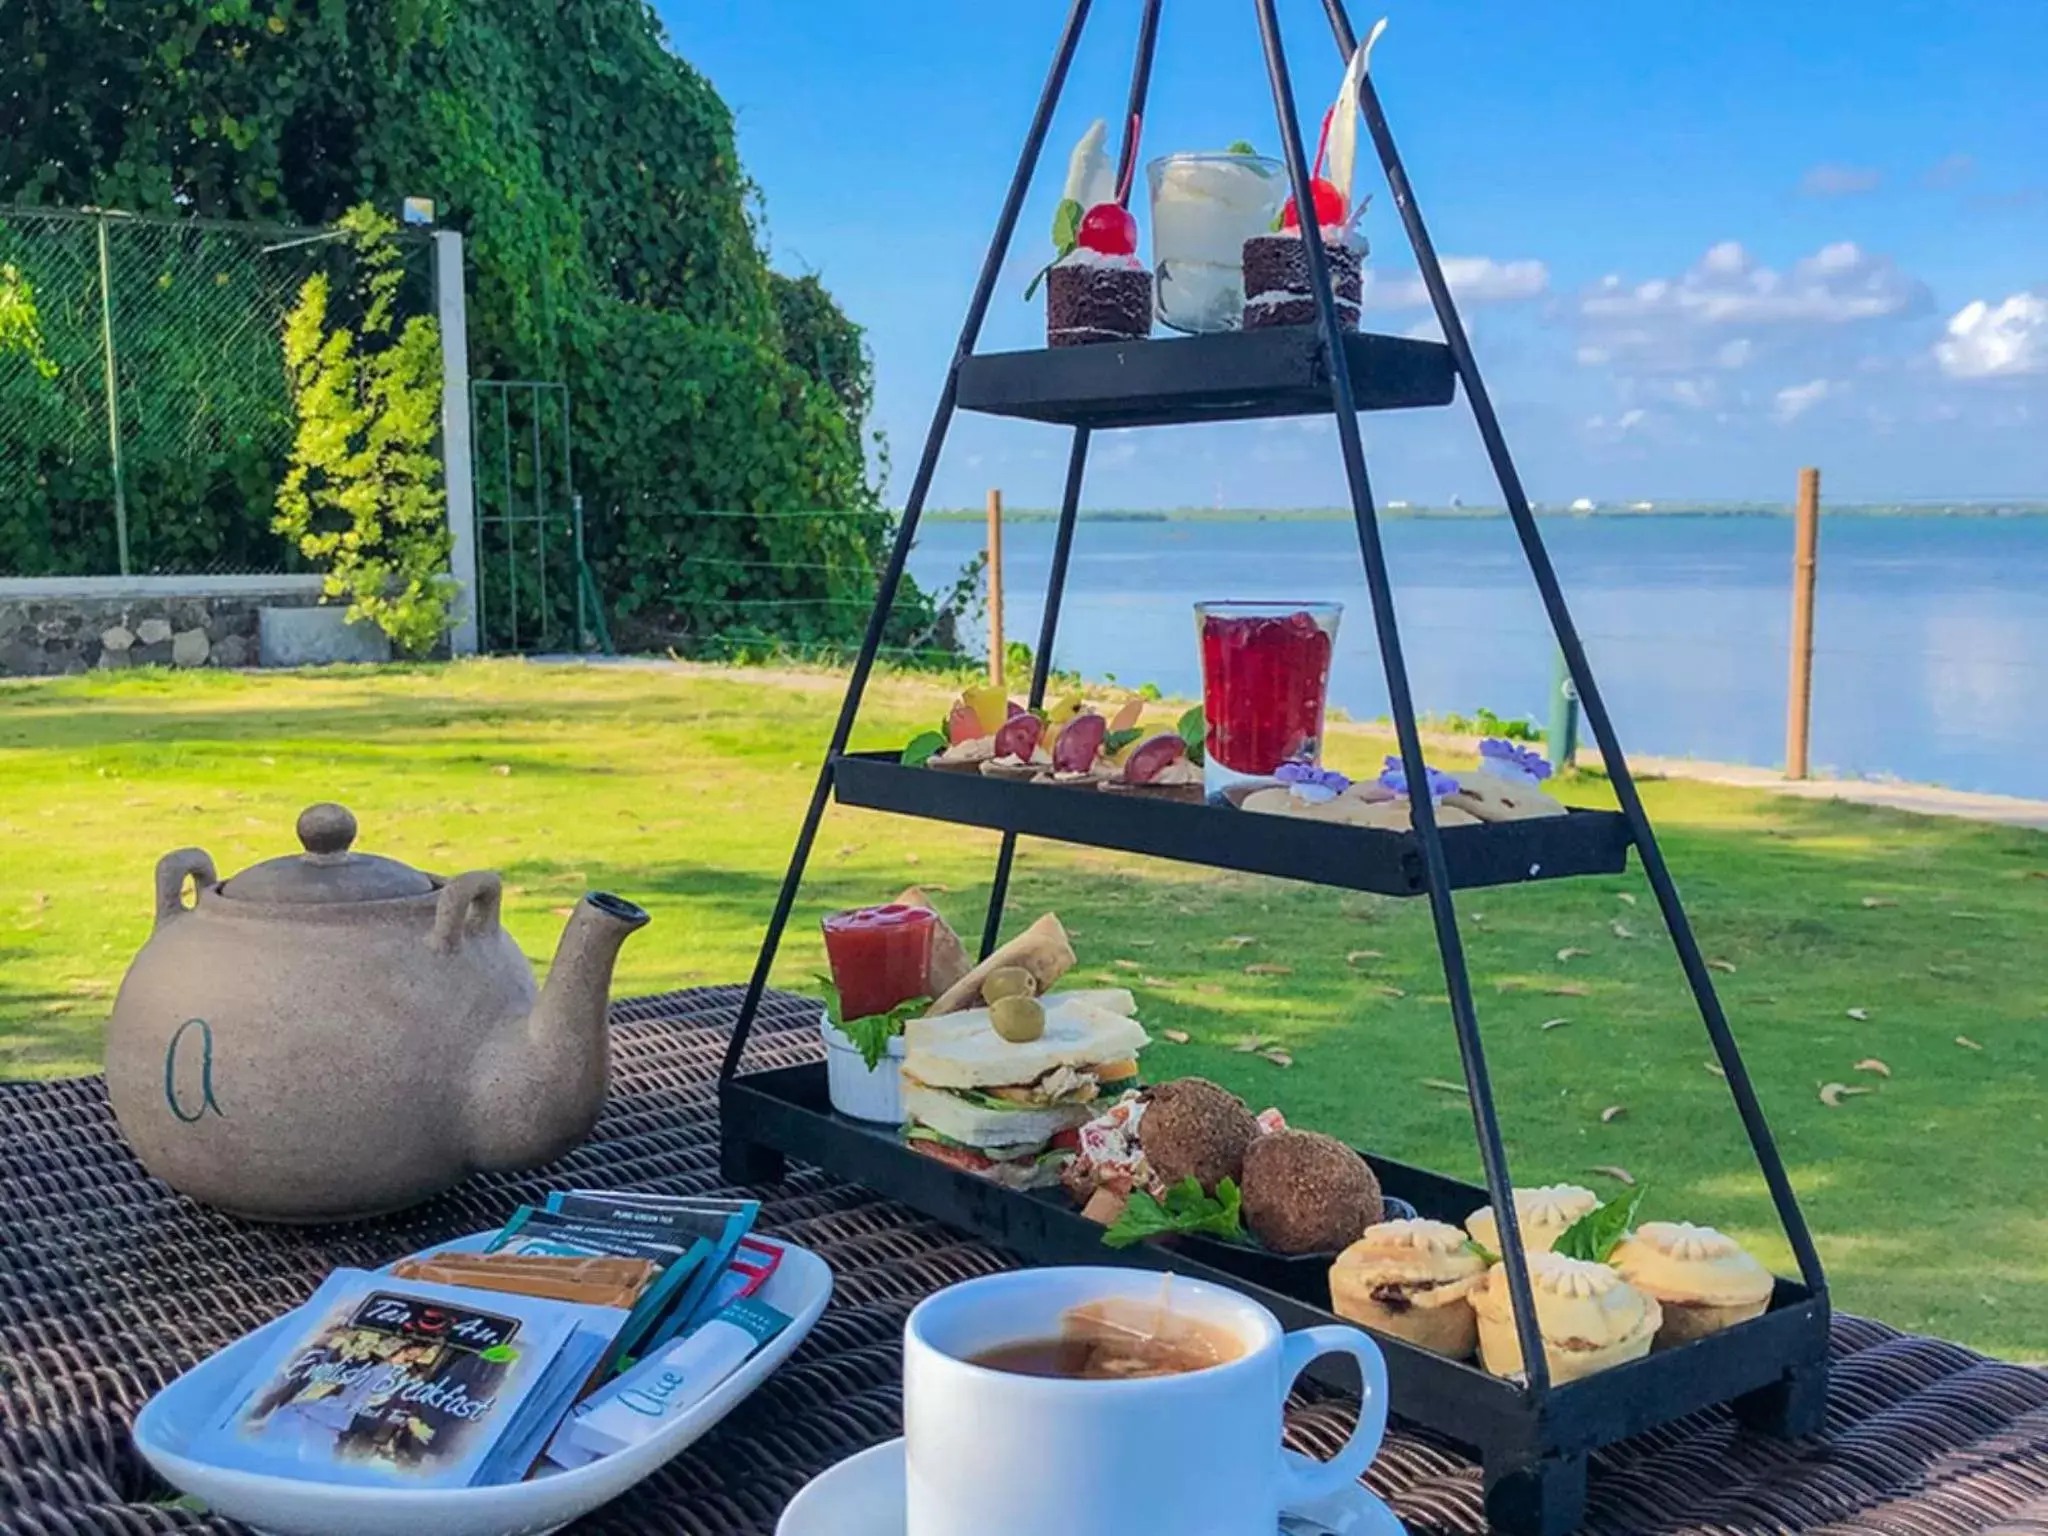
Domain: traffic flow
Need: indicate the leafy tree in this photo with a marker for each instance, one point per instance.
(610, 242)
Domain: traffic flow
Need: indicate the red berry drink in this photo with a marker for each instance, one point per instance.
(1265, 679)
(880, 956)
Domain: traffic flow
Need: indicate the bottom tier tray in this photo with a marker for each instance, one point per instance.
(1773, 1370)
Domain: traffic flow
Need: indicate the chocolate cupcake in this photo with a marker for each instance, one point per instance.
(1276, 284)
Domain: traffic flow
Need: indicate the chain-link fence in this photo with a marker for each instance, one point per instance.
(145, 419)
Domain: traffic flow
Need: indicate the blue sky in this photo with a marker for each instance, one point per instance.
(1699, 246)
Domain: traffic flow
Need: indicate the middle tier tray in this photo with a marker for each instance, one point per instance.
(1351, 858)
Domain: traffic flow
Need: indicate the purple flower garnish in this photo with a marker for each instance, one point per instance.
(1307, 775)
(1395, 777)
(1525, 761)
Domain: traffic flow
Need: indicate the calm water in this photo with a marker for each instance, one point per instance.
(1931, 634)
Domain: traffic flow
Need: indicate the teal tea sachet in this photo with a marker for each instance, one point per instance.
(409, 1384)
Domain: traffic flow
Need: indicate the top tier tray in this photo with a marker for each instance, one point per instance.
(1230, 376)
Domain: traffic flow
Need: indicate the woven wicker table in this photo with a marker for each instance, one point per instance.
(110, 1286)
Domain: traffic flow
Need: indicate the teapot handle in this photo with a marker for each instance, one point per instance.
(468, 907)
(172, 871)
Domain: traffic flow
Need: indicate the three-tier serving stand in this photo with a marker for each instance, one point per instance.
(1534, 1437)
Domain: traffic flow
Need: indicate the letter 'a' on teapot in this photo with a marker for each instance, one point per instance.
(334, 1034)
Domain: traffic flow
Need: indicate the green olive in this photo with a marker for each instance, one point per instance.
(1008, 981)
(1018, 1020)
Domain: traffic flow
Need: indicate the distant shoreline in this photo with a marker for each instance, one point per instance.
(1395, 511)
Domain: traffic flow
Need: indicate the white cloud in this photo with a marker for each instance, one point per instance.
(1683, 323)
(1791, 403)
(1950, 171)
(1839, 180)
(1473, 280)
(1996, 340)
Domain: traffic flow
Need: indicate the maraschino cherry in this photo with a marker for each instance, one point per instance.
(1109, 230)
(1329, 206)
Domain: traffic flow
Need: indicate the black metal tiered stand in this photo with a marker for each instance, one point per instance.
(1534, 1437)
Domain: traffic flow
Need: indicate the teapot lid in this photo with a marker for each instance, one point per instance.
(327, 871)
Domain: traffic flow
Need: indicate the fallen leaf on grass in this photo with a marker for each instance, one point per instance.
(1872, 1064)
(1141, 943)
(911, 858)
(1177, 1036)
(1613, 1171)
(1476, 917)
(1948, 972)
(1238, 940)
(1390, 992)
(1444, 1085)
(1251, 1044)
(1625, 897)
(1722, 965)
(1278, 1058)
(502, 770)
(1859, 1014)
(1967, 1043)
(1568, 989)
(1358, 955)
(1208, 986)
(1125, 965)
(1622, 930)
(563, 911)
(1717, 1069)
(1879, 901)
(1266, 968)
(1553, 1023)
(1612, 1113)
(1564, 955)
(1832, 1094)
(1154, 981)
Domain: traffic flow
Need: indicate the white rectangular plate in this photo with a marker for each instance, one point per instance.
(800, 1287)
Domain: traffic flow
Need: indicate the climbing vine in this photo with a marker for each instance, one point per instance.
(362, 498)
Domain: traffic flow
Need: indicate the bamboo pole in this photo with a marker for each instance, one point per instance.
(113, 388)
(1806, 540)
(995, 588)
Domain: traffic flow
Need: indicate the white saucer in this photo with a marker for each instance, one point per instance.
(864, 1496)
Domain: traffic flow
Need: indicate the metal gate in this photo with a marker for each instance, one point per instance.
(534, 587)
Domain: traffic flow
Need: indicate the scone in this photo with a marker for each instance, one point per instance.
(1399, 816)
(1413, 1280)
(1704, 1280)
(1542, 1213)
(1590, 1318)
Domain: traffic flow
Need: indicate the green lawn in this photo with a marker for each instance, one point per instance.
(682, 790)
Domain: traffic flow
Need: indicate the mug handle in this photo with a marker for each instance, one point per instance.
(1304, 1485)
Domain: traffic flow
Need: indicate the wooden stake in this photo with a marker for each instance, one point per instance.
(995, 588)
(1799, 710)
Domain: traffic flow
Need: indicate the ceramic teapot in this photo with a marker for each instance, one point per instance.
(331, 1035)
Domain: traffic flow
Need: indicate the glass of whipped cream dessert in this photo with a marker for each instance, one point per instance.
(1204, 207)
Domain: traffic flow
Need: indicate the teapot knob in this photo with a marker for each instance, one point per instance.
(326, 831)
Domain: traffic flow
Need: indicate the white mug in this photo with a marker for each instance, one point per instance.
(994, 1453)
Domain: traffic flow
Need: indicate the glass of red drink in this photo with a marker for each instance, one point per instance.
(1265, 679)
(880, 956)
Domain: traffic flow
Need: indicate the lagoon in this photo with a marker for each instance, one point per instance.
(1931, 633)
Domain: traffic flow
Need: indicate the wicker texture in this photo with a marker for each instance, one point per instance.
(110, 1286)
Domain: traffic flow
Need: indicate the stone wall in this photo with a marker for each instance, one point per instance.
(53, 626)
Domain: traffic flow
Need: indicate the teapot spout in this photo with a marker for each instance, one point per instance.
(543, 1081)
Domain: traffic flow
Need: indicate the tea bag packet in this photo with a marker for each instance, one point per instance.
(753, 1265)
(722, 1223)
(533, 1232)
(659, 1389)
(408, 1384)
(604, 1282)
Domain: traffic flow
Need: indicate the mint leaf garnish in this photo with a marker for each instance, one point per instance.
(1599, 1232)
(1241, 147)
(1066, 225)
(499, 1354)
(871, 1035)
(1194, 730)
(1116, 741)
(1185, 1209)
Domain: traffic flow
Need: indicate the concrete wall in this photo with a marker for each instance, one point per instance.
(55, 625)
